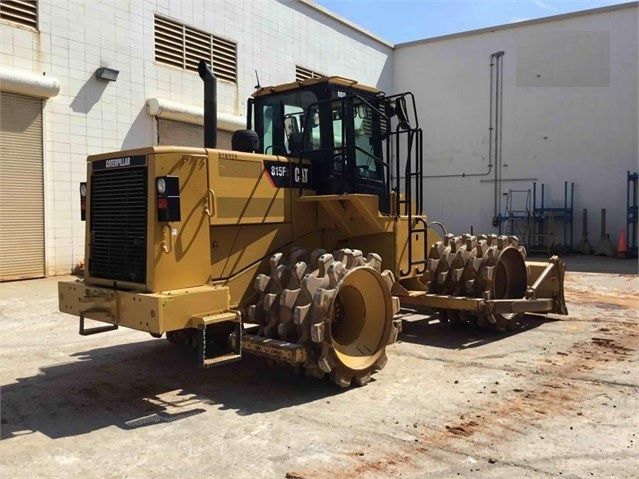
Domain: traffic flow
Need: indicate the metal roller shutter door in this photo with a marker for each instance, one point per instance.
(21, 188)
(185, 134)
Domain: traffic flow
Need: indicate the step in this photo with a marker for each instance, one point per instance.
(272, 348)
(211, 318)
(84, 331)
(221, 359)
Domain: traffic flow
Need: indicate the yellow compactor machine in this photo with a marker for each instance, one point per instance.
(259, 249)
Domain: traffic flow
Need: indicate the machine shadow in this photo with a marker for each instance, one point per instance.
(426, 330)
(142, 384)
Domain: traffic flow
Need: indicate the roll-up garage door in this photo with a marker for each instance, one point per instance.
(177, 133)
(21, 187)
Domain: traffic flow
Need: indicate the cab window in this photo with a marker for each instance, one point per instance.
(366, 148)
(283, 120)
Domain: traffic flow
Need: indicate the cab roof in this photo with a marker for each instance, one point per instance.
(333, 80)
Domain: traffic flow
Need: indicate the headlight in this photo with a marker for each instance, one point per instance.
(168, 198)
(83, 190)
(160, 183)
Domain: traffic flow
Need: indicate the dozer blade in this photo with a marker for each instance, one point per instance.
(546, 281)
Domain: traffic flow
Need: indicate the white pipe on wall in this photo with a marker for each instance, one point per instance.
(29, 84)
(171, 110)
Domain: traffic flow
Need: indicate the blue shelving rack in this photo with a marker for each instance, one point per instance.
(516, 220)
(632, 214)
(544, 220)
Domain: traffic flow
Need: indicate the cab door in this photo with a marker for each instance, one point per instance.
(357, 159)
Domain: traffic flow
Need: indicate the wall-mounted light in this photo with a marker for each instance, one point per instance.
(106, 74)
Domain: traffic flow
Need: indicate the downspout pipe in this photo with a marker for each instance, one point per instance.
(501, 123)
(494, 129)
(496, 59)
(210, 104)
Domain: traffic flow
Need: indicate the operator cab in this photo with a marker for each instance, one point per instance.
(335, 123)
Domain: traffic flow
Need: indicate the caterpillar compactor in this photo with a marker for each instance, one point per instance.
(259, 249)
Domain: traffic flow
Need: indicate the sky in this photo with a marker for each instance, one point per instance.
(399, 21)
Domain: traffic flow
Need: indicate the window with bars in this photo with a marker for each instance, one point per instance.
(183, 47)
(23, 12)
(302, 73)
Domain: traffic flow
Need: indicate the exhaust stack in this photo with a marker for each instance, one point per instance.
(210, 104)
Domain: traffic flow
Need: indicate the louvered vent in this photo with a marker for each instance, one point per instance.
(197, 46)
(169, 42)
(224, 59)
(24, 12)
(183, 47)
(302, 74)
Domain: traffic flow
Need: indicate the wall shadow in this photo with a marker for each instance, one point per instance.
(140, 133)
(88, 95)
(123, 386)
(426, 330)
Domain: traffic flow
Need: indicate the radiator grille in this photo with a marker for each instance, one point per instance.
(118, 225)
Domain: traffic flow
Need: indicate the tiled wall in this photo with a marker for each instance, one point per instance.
(89, 116)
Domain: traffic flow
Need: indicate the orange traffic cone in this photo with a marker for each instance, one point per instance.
(622, 248)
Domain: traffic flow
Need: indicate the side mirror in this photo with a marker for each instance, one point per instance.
(402, 113)
(290, 125)
(361, 111)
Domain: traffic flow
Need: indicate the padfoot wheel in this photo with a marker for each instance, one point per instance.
(338, 305)
(485, 266)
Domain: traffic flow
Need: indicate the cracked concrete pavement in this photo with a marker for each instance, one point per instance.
(558, 397)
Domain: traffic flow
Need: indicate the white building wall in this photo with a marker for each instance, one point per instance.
(89, 116)
(570, 113)
(576, 122)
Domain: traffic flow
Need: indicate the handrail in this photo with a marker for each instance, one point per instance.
(391, 165)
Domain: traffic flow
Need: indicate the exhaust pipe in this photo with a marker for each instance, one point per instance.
(210, 104)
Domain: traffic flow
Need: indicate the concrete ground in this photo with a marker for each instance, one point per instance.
(557, 397)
